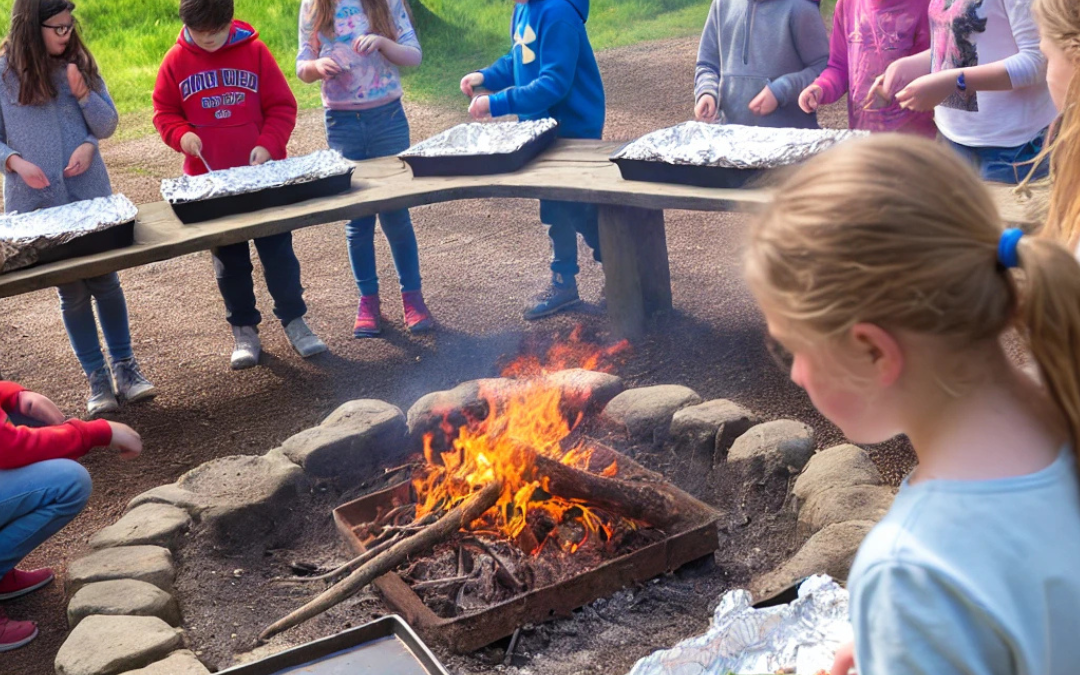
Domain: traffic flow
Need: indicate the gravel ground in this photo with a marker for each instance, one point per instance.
(481, 259)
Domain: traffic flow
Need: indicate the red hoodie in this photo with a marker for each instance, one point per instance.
(22, 446)
(234, 99)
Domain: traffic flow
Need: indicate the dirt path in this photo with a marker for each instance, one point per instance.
(480, 260)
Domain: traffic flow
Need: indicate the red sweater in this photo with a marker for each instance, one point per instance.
(234, 99)
(21, 446)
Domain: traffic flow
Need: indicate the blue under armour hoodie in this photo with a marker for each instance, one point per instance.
(551, 70)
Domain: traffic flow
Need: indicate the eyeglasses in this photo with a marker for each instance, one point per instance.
(61, 30)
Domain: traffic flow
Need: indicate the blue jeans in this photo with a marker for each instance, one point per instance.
(366, 134)
(565, 220)
(232, 266)
(1006, 165)
(78, 314)
(36, 502)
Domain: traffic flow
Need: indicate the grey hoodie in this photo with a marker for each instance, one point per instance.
(748, 44)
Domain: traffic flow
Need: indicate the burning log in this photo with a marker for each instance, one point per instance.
(386, 561)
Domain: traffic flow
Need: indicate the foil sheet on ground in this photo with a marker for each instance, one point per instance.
(732, 146)
(24, 236)
(246, 179)
(495, 138)
(803, 635)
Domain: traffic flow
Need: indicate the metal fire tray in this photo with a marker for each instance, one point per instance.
(386, 646)
(480, 164)
(219, 207)
(117, 236)
(692, 537)
(687, 174)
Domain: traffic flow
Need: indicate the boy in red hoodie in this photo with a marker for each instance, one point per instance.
(221, 99)
(41, 488)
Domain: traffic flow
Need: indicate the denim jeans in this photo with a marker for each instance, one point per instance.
(565, 220)
(232, 266)
(36, 502)
(366, 134)
(78, 314)
(1006, 165)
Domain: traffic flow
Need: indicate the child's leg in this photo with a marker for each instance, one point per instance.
(81, 327)
(282, 272)
(113, 314)
(398, 228)
(587, 224)
(560, 219)
(232, 266)
(36, 502)
(360, 237)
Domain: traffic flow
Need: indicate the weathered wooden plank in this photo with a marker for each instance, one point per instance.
(636, 274)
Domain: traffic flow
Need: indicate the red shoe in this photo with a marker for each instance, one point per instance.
(367, 317)
(417, 316)
(15, 634)
(17, 583)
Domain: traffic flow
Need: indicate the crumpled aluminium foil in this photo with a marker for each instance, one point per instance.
(23, 236)
(496, 138)
(244, 179)
(803, 635)
(732, 146)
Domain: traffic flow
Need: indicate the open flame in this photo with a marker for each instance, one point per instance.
(525, 420)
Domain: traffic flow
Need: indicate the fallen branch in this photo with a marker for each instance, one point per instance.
(386, 561)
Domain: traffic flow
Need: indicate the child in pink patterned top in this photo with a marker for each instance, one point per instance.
(867, 36)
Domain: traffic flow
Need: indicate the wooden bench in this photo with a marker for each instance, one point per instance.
(632, 236)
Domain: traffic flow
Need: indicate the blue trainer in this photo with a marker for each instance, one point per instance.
(560, 295)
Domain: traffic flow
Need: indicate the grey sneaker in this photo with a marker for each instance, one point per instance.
(131, 384)
(560, 295)
(303, 340)
(248, 348)
(102, 398)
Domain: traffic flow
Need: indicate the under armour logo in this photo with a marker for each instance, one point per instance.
(527, 55)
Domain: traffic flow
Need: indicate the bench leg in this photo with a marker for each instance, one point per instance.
(634, 247)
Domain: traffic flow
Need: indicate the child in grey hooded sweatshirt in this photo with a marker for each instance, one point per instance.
(754, 59)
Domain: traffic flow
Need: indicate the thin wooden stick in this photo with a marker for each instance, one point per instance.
(346, 567)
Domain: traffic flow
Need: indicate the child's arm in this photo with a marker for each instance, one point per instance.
(555, 78)
(309, 67)
(499, 75)
(169, 117)
(812, 43)
(21, 446)
(709, 70)
(405, 51)
(834, 79)
(278, 105)
(98, 108)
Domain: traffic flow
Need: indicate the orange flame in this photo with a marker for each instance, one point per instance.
(574, 352)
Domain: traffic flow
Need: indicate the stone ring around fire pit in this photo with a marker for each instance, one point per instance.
(125, 609)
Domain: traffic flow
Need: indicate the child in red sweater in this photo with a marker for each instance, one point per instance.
(41, 488)
(222, 100)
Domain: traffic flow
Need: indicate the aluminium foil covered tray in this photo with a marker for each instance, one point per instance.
(477, 149)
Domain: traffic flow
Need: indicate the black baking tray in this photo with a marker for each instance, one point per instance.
(117, 236)
(685, 174)
(218, 207)
(386, 646)
(481, 165)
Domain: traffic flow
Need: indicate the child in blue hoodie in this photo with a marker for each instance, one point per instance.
(550, 72)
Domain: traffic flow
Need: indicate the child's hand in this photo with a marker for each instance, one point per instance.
(38, 407)
(480, 108)
(126, 440)
(706, 109)
(80, 160)
(77, 82)
(764, 103)
(369, 44)
(191, 144)
(326, 67)
(31, 173)
(259, 155)
(926, 92)
(899, 74)
(470, 82)
(810, 98)
(844, 660)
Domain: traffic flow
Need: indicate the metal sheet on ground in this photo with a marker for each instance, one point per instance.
(386, 656)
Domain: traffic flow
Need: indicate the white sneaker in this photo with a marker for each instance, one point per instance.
(102, 397)
(248, 348)
(131, 384)
(303, 340)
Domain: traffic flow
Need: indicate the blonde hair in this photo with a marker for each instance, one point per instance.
(897, 231)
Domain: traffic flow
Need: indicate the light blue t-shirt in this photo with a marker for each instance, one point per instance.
(973, 578)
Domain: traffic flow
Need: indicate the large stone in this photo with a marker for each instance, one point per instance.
(237, 494)
(152, 564)
(708, 429)
(108, 645)
(782, 447)
(356, 439)
(838, 466)
(836, 505)
(645, 413)
(831, 551)
(122, 597)
(181, 662)
(157, 524)
(456, 406)
(585, 390)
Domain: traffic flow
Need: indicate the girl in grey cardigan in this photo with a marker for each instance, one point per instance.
(53, 109)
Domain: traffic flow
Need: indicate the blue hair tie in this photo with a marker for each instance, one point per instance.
(1010, 238)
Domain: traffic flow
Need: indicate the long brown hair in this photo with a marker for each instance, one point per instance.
(30, 62)
(899, 232)
(377, 11)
